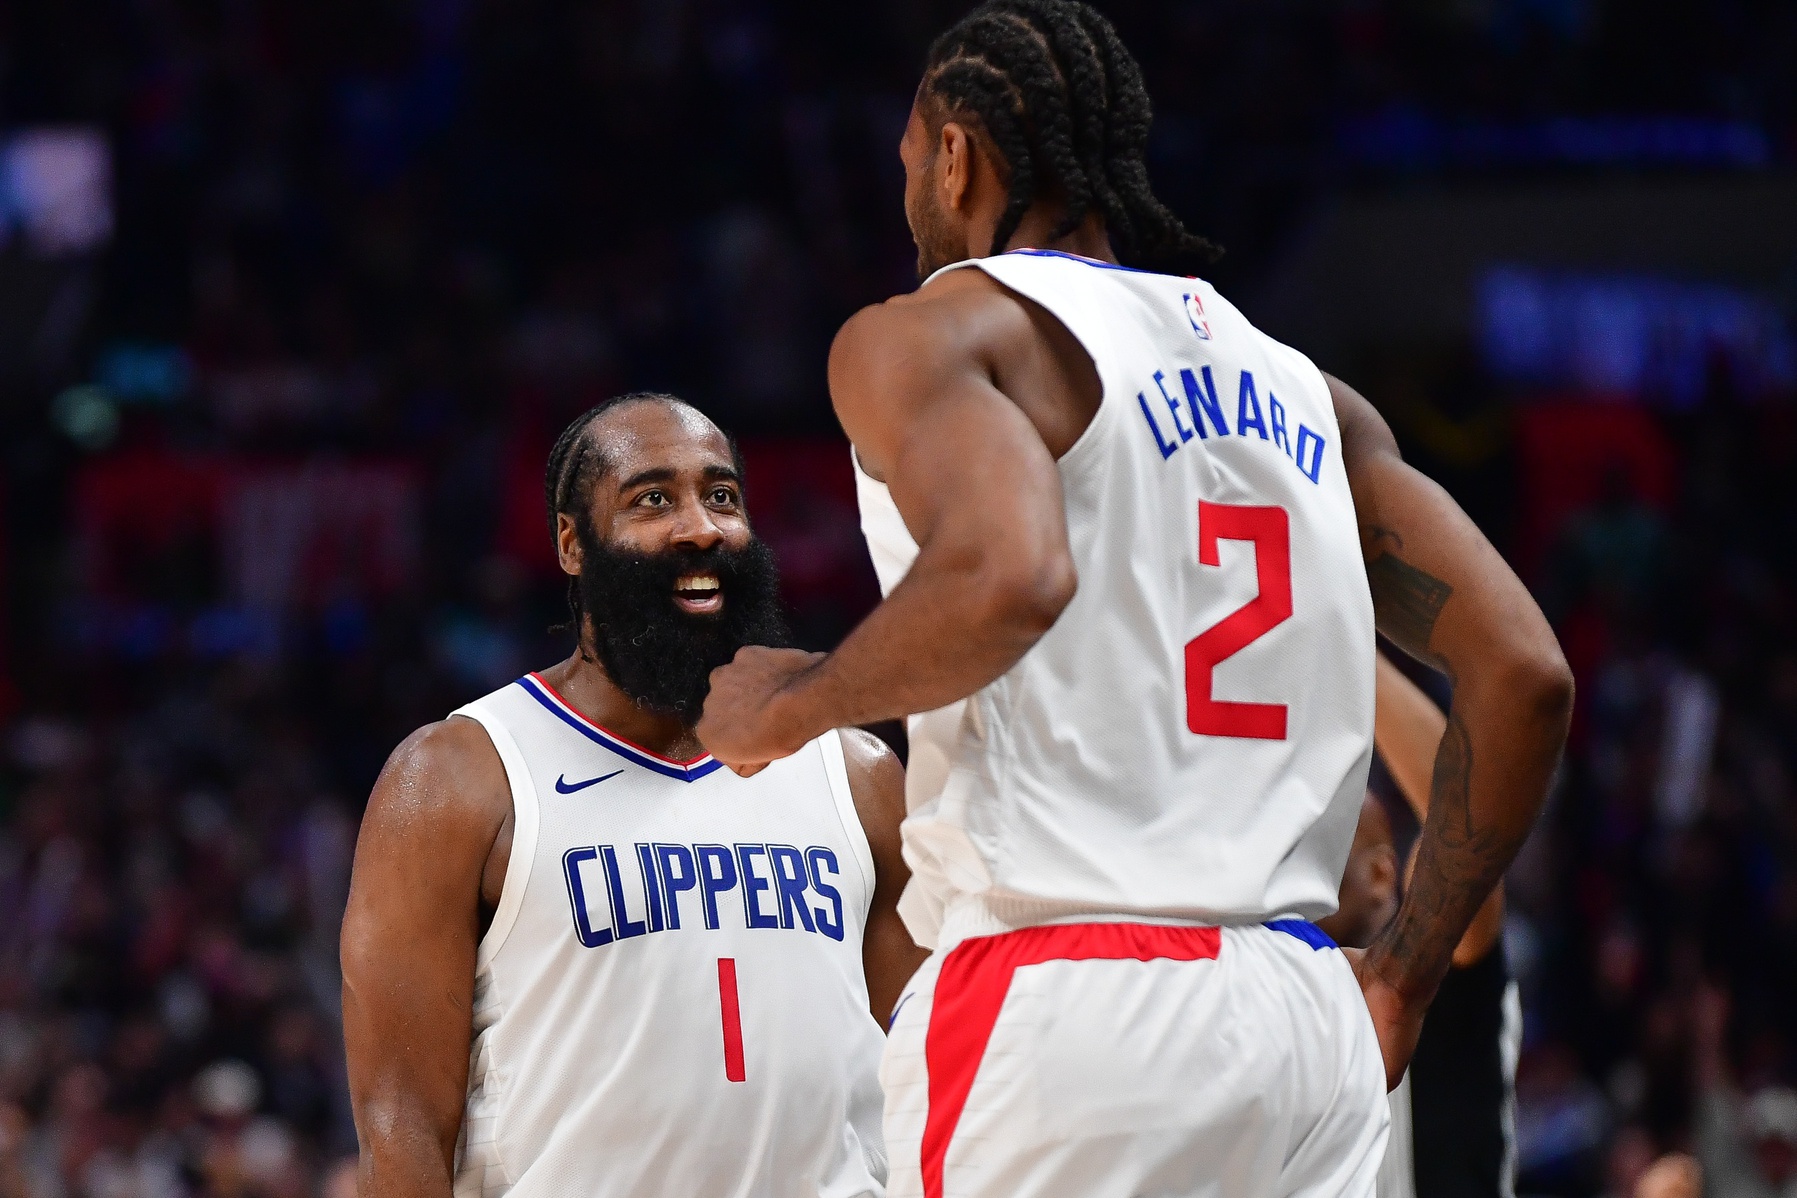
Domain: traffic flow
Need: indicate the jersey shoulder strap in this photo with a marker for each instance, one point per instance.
(836, 770)
(1061, 284)
(489, 713)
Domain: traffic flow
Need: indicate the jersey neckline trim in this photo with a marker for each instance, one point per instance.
(685, 771)
(1085, 261)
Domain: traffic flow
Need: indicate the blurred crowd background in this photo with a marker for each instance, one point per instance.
(295, 295)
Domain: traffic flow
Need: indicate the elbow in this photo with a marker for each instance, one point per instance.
(1542, 685)
(1029, 601)
(1557, 701)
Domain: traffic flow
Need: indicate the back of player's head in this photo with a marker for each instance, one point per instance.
(1062, 102)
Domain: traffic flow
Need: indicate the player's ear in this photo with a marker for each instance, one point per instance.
(954, 165)
(567, 543)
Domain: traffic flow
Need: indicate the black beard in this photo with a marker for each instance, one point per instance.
(659, 655)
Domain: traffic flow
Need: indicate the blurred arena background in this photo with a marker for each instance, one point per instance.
(294, 295)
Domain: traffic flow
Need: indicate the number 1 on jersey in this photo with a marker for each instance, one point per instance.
(733, 1020)
(1269, 528)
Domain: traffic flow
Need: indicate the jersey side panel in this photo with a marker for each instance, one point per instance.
(836, 770)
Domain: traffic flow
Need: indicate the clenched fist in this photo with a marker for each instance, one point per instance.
(750, 716)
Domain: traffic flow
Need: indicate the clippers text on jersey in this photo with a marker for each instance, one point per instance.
(776, 884)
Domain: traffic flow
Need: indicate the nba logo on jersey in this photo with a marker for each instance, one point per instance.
(1195, 314)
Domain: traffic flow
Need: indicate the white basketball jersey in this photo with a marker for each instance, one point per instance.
(670, 999)
(1191, 738)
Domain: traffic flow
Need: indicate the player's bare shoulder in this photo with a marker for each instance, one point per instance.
(891, 358)
(444, 787)
(926, 330)
(446, 769)
(961, 311)
(877, 781)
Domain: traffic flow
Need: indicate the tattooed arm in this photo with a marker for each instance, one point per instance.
(1407, 729)
(1443, 595)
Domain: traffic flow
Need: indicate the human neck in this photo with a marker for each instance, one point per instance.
(1088, 238)
(585, 685)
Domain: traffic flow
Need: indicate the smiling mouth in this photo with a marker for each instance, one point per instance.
(699, 594)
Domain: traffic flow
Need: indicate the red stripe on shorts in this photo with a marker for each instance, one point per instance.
(976, 976)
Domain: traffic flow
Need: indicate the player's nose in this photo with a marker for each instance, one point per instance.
(696, 527)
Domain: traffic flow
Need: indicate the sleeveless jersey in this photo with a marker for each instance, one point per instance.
(1191, 739)
(670, 999)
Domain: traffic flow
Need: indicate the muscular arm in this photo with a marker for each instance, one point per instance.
(978, 489)
(437, 823)
(1407, 728)
(1443, 595)
(887, 952)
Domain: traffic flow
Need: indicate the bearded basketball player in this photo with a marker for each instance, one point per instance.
(1134, 552)
(579, 956)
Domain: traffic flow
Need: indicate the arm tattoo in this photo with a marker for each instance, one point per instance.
(1378, 532)
(1450, 786)
(1457, 862)
(1406, 601)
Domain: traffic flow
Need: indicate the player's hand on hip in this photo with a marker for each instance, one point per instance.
(749, 718)
(1397, 1020)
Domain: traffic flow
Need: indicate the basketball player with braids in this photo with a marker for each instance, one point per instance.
(1134, 552)
(580, 957)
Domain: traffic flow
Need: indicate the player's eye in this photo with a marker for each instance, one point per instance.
(723, 496)
(653, 499)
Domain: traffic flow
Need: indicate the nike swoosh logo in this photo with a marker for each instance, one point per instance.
(563, 786)
(895, 1011)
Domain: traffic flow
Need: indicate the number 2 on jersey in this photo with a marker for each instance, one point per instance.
(1269, 528)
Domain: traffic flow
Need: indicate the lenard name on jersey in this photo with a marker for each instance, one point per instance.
(1202, 405)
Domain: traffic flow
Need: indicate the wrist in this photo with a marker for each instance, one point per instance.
(797, 709)
(1413, 981)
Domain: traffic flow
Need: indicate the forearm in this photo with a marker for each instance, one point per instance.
(1407, 730)
(403, 1155)
(387, 1174)
(950, 628)
(1484, 796)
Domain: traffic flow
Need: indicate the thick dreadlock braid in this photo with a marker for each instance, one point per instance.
(981, 88)
(1071, 52)
(1157, 231)
(1019, 56)
(1089, 74)
(1063, 103)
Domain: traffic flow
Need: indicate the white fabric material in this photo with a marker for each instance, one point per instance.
(600, 1070)
(1397, 1171)
(1074, 784)
(1254, 1075)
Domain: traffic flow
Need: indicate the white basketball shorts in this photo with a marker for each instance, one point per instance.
(1123, 1060)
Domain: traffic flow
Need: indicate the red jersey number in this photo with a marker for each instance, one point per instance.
(1269, 528)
